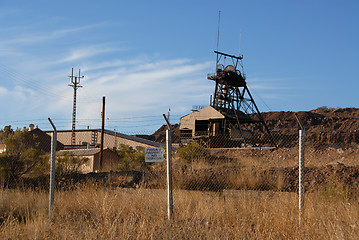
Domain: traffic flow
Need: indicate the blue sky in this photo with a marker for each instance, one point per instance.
(149, 56)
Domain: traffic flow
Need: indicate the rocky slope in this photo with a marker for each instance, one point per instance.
(338, 126)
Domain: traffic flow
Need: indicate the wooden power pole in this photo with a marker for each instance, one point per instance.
(102, 131)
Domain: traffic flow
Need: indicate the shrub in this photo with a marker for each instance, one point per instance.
(130, 158)
(193, 151)
(69, 164)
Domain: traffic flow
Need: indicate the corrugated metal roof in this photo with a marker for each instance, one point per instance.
(80, 152)
(121, 135)
(133, 138)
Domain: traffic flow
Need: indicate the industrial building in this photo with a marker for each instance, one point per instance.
(90, 138)
(110, 159)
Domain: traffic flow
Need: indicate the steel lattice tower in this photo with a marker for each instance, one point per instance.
(75, 84)
(232, 96)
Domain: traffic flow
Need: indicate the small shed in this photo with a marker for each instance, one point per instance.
(110, 159)
(214, 128)
(201, 123)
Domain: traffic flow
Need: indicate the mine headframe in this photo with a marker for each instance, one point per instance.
(232, 97)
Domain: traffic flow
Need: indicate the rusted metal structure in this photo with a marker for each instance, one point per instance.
(233, 118)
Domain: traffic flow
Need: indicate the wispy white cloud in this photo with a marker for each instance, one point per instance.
(270, 87)
(80, 53)
(3, 91)
(70, 31)
(25, 35)
(265, 86)
(116, 64)
(18, 92)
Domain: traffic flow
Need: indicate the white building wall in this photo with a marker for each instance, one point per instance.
(188, 121)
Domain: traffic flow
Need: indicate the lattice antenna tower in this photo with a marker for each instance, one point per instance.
(75, 84)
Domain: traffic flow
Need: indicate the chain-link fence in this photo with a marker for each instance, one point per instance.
(223, 187)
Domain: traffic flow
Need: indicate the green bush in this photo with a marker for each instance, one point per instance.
(194, 151)
(130, 158)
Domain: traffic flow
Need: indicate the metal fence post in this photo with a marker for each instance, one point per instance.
(301, 171)
(52, 169)
(169, 169)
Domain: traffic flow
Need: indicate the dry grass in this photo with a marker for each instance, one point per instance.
(93, 212)
(259, 170)
(288, 157)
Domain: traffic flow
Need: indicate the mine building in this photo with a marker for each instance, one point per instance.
(233, 118)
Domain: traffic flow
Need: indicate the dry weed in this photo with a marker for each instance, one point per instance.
(93, 212)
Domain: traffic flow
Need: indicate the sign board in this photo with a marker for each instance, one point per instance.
(154, 155)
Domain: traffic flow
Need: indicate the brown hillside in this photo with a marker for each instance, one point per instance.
(339, 126)
(160, 134)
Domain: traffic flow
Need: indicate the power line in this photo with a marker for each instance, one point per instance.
(28, 82)
(262, 101)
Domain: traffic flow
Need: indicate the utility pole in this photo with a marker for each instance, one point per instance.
(75, 84)
(102, 131)
(169, 168)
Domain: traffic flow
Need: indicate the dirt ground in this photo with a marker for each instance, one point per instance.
(325, 168)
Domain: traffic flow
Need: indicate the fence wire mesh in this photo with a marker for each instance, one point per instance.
(222, 187)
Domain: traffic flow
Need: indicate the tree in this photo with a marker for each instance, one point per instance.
(21, 156)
